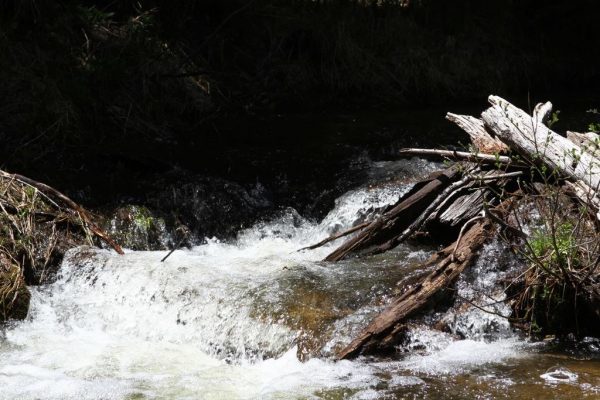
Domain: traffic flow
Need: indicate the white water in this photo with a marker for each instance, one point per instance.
(212, 322)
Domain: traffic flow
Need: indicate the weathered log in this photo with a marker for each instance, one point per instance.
(459, 155)
(464, 207)
(398, 218)
(538, 143)
(590, 141)
(476, 130)
(450, 208)
(446, 194)
(450, 262)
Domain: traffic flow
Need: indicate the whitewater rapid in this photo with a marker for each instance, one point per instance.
(225, 320)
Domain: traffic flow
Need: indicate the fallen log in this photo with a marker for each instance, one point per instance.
(480, 138)
(450, 263)
(398, 218)
(336, 236)
(466, 197)
(590, 141)
(414, 210)
(536, 142)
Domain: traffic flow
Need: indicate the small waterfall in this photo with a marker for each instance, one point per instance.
(227, 320)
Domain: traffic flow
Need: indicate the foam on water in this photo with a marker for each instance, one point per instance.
(118, 327)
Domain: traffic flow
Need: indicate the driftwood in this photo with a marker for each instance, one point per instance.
(398, 218)
(434, 201)
(536, 142)
(69, 204)
(480, 138)
(590, 141)
(458, 155)
(449, 263)
(336, 236)
(463, 193)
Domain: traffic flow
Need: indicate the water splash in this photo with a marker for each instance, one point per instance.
(225, 320)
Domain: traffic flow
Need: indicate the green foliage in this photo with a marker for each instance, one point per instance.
(594, 126)
(554, 247)
(553, 118)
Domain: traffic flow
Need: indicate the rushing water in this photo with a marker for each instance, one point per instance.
(230, 321)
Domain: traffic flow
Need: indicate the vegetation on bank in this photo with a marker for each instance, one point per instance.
(559, 292)
(37, 226)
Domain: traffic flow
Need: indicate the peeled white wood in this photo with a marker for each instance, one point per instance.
(530, 137)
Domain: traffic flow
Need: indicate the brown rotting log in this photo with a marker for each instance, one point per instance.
(394, 221)
(450, 263)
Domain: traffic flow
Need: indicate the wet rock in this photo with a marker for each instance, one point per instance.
(137, 228)
(211, 206)
(559, 375)
(14, 294)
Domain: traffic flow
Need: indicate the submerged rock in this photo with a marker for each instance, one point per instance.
(14, 294)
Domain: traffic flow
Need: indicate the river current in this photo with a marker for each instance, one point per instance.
(231, 320)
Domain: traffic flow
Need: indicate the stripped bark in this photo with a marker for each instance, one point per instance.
(589, 141)
(450, 263)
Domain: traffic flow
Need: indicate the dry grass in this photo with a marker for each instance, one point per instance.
(35, 230)
(14, 295)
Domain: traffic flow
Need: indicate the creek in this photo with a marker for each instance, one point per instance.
(230, 320)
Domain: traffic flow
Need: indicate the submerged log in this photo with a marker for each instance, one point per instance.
(449, 262)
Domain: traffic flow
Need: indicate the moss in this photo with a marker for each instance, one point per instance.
(135, 227)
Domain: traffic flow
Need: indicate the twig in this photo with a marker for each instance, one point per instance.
(462, 231)
(336, 236)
